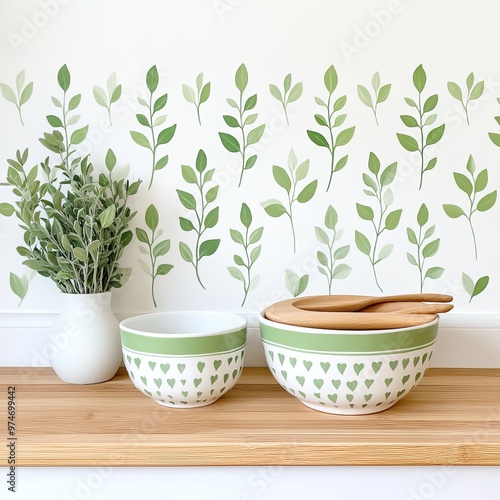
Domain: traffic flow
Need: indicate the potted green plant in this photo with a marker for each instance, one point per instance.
(75, 225)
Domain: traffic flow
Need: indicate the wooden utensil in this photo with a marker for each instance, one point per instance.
(347, 303)
(409, 307)
(286, 312)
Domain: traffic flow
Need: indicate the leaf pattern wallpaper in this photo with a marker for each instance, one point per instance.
(354, 158)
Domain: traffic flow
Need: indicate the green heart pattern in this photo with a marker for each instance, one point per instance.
(349, 384)
(187, 383)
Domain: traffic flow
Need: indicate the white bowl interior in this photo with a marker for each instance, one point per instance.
(184, 323)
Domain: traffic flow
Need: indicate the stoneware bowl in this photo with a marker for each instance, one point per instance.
(184, 359)
(348, 372)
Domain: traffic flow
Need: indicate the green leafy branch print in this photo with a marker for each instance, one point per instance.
(331, 122)
(62, 142)
(379, 217)
(250, 255)
(424, 249)
(19, 285)
(241, 121)
(151, 121)
(114, 92)
(294, 283)
(495, 138)
(153, 248)
(288, 181)
(471, 186)
(197, 97)
(20, 95)
(203, 219)
(328, 261)
(474, 289)
(472, 93)
(380, 94)
(290, 94)
(423, 120)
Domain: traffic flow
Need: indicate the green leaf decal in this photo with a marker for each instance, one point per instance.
(328, 259)
(365, 212)
(362, 243)
(64, 78)
(166, 135)
(79, 135)
(331, 79)
(422, 216)
(295, 285)
(152, 218)
(255, 135)
(250, 255)
(241, 78)
(152, 79)
(204, 217)
(487, 202)
(318, 139)
(424, 249)
(151, 120)
(308, 192)
(274, 209)
(187, 199)
(453, 211)
(153, 248)
(345, 136)
(472, 92)
(435, 135)
(332, 140)
(431, 248)
(208, 247)
(364, 96)
(418, 123)
(282, 178)
(471, 185)
(230, 142)
(392, 220)
(408, 142)
(289, 180)
(185, 252)
(455, 90)
(474, 289)
(378, 180)
(419, 78)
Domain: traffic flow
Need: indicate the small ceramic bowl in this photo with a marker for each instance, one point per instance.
(184, 359)
(348, 372)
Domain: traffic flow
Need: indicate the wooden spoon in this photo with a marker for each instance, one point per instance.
(285, 312)
(408, 307)
(356, 302)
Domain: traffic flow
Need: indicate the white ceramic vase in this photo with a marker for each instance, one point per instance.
(86, 338)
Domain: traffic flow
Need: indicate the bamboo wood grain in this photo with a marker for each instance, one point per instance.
(287, 312)
(409, 307)
(452, 417)
(348, 303)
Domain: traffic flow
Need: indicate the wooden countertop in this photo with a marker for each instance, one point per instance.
(452, 417)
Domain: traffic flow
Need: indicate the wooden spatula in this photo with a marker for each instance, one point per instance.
(409, 307)
(347, 303)
(286, 312)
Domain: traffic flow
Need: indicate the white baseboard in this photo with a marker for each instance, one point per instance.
(464, 341)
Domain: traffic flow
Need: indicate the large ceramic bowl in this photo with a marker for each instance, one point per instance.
(184, 359)
(346, 371)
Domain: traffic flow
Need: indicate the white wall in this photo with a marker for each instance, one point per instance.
(272, 39)
(450, 38)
